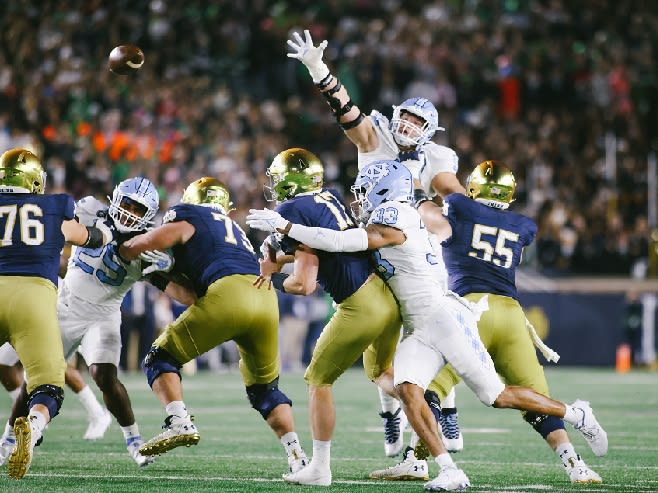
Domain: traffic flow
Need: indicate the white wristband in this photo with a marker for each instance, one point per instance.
(329, 240)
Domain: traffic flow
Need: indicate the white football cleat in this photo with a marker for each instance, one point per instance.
(590, 428)
(297, 461)
(27, 435)
(409, 469)
(98, 425)
(133, 445)
(7, 444)
(449, 479)
(580, 473)
(394, 425)
(177, 432)
(312, 475)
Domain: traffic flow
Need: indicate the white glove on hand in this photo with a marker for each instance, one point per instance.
(309, 55)
(270, 245)
(266, 220)
(160, 261)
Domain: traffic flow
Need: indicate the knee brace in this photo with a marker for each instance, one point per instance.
(158, 361)
(264, 397)
(50, 396)
(544, 424)
(433, 402)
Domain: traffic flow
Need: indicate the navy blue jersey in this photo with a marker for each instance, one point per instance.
(485, 247)
(340, 274)
(218, 248)
(31, 229)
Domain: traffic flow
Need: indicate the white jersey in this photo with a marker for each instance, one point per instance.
(411, 269)
(98, 276)
(434, 158)
(439, 326)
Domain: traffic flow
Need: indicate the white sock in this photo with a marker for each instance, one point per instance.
(37, 420)
(130, 431)
(449, 400)
(567, 454)
(9, 430)
(389, 403)
(176, 408)
(321, 453)
(444, 460)
(14, 393)
(89, 401)
(290, 442)
(571, 415)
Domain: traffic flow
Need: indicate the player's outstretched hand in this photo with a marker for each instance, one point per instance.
(266, 220)
(309, 54)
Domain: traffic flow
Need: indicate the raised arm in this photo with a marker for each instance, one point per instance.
(357, 127)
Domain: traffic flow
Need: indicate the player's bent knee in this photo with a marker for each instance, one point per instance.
(48, 395)
(264, 397)
(544, 424)
(158, 361)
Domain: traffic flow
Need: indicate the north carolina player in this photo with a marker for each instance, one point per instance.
(219, 261)
(406, 138)
(482, 247)
(367, 320)
(34, 228)
(439, 327)
(90, 295)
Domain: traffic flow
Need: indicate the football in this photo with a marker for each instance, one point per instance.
(125, 59)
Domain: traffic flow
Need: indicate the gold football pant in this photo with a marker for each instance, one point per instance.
(368, 323)
(231, 309)
(28, 320)
(503, 332)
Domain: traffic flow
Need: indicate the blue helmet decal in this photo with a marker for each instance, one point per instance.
(379, 182)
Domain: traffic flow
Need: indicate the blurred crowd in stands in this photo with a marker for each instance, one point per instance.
(563, 92)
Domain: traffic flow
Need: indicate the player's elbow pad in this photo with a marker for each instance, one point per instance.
(328, 240)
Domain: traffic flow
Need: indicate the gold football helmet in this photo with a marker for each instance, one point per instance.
(21, 171)
(292, 172)
(208, 190)
(491, 183)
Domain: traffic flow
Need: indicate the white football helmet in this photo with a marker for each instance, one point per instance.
(134, 204)
(379, 182)
(408, 134)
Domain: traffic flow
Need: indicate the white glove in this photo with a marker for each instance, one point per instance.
(160, 261)
(266, 220)
(270, 244)
(309, 55)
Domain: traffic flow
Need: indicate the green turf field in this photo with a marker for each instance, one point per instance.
(238, 452)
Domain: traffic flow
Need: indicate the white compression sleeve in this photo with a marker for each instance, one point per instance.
(328, 240)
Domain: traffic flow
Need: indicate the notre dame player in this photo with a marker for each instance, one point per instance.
(367, 320)
(481, 254)
(34, 228)
(215, 255)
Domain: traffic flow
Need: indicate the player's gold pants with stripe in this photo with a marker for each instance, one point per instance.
(231, 309)
(504, 334)
(368, 323)
(28, 320)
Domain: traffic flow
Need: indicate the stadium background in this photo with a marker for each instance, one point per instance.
(563, 92)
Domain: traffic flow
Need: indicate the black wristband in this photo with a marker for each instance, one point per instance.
(95, 238)
(325, 82)
(277, 279)
(420, 197)
(353, 123)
